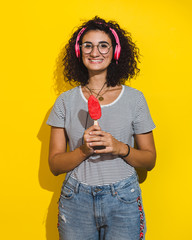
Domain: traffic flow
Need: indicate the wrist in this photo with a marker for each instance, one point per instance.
(125, 152)
(84, 151)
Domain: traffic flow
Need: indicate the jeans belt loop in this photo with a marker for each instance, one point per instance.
(113, 190)
(77, 187)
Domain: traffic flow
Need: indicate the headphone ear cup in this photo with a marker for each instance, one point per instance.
(115, 53)
(77, 50)
(118, 51)
(117, 47)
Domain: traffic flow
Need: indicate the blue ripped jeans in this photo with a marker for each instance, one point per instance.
(108, 212)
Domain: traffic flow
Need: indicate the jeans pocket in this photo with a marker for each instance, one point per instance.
(129, 194)
(67, 192)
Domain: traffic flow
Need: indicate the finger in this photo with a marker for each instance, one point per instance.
(92, 128)
(95, 127)
(86, 132)
(103, 150)
(95, 138)
(97, 133)
(96, 144)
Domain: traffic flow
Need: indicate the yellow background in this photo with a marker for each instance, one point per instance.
(33, 34)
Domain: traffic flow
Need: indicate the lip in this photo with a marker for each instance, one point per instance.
(95, 61)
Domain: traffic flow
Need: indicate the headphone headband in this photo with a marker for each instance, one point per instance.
(77, 49)
(117, 48)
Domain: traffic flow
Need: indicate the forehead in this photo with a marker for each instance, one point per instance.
(96, 36)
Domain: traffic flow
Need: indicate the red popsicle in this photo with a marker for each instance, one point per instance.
(94, 109)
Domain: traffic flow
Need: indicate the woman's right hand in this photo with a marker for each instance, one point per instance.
(61, 161)
(86, 149)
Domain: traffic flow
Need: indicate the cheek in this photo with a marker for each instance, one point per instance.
(84, 58)
(109, 57)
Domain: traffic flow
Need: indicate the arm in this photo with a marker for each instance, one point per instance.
(142, 157)
(61, 161)
(145, 154)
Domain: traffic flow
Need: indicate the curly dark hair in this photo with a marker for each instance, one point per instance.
(75, 71)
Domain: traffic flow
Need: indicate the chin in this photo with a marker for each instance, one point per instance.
(96, 66)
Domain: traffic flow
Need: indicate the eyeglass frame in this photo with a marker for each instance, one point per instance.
(96, 46)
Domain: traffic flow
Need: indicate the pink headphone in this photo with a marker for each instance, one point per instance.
(117, 48)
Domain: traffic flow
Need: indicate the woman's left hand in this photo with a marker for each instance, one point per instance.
(142, 157)
(108, 143)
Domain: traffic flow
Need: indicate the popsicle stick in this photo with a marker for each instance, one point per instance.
(96, 123)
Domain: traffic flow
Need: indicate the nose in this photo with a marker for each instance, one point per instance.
(95, 52)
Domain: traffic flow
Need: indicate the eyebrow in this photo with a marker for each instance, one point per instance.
(99, 42)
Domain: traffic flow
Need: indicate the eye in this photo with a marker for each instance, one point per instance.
(87, 45)
(104, 45)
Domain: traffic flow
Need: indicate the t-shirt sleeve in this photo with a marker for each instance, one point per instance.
(143, 122)
(57, 114)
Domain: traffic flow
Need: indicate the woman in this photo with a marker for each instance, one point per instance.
(101, 197)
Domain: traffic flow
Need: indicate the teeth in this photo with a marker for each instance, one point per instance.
(96, 60)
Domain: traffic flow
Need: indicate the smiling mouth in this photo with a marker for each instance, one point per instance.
(96, 60)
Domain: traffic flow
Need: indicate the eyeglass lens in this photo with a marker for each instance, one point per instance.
(103, 47)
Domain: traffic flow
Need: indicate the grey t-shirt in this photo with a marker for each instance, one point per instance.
(126, 116)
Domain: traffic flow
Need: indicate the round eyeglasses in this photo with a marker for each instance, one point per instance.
(103, 47)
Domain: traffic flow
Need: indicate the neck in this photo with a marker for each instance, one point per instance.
(97, 80)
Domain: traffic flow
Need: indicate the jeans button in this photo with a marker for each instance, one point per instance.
(97, 189)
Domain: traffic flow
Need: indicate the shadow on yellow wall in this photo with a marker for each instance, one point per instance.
(46, 179)
(60, 81)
